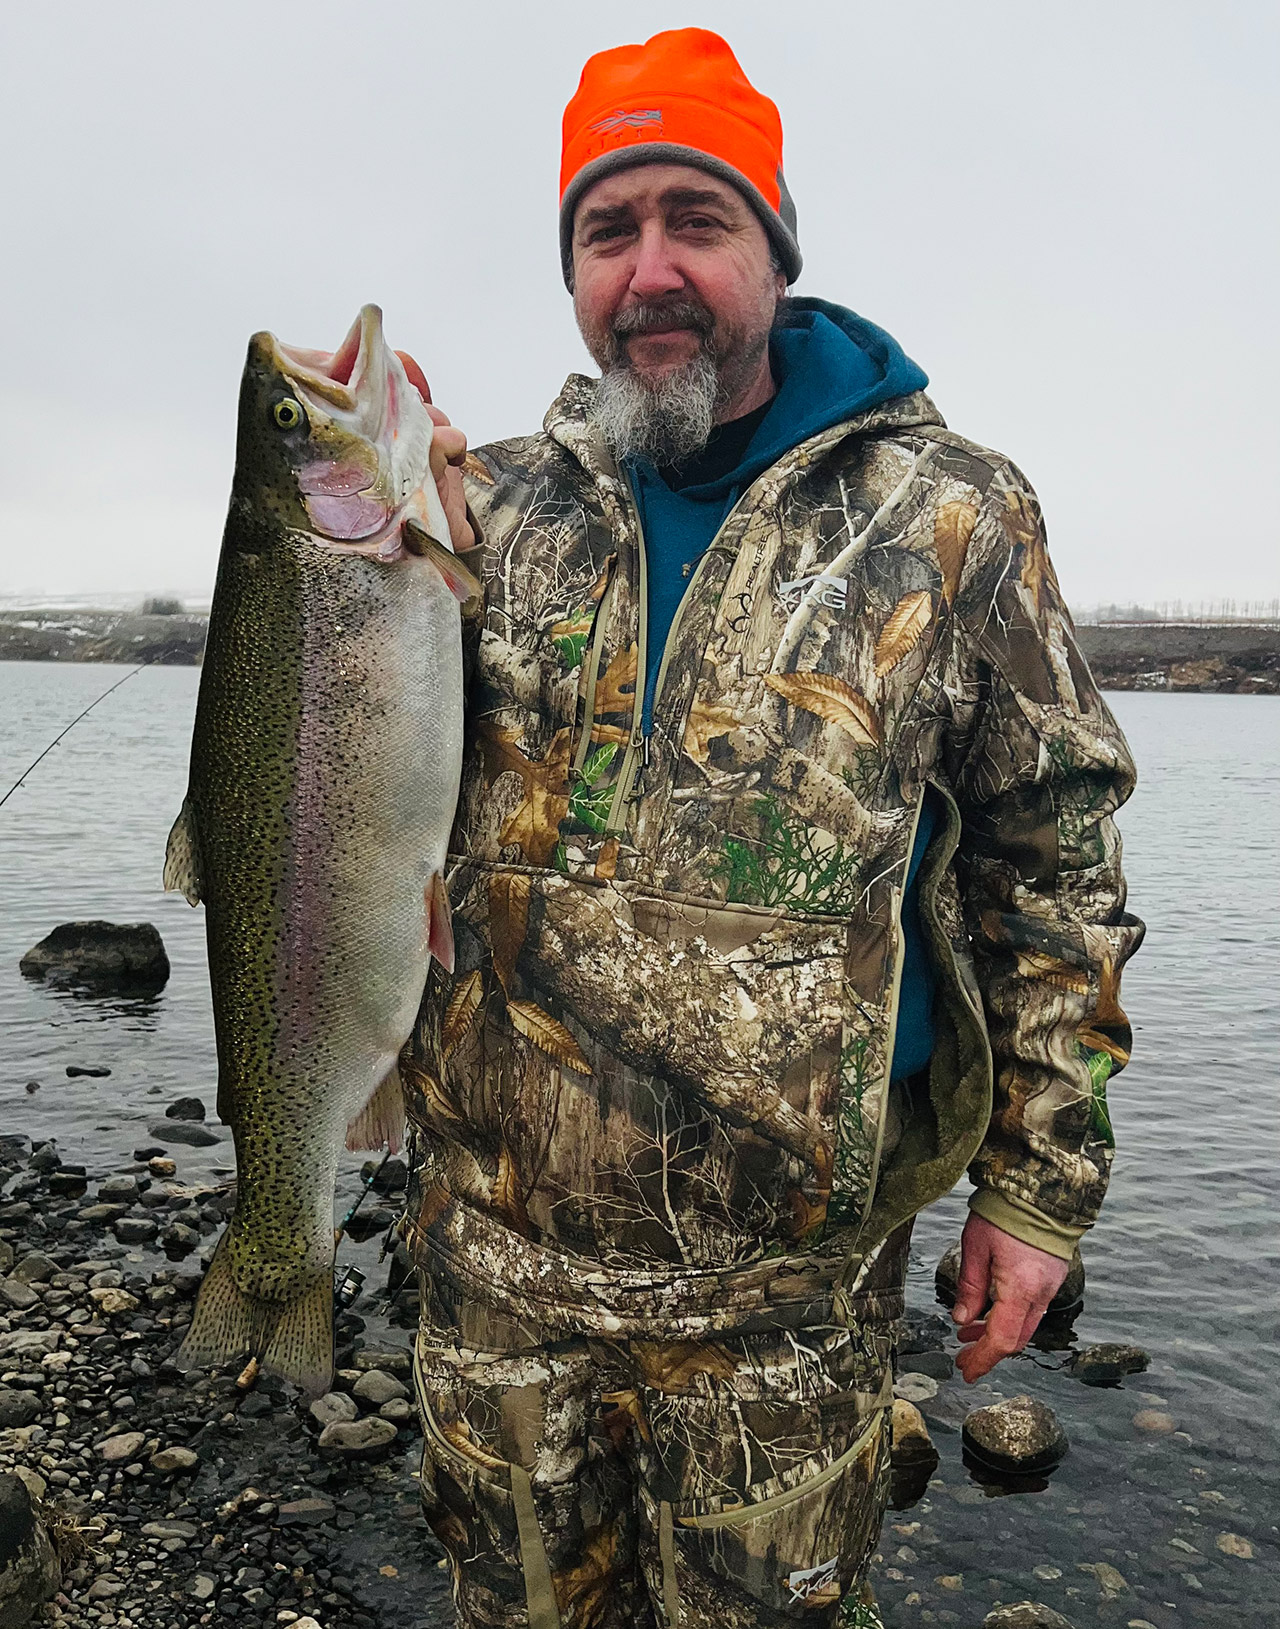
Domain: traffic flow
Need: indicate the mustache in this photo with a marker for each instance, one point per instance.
(651, 316)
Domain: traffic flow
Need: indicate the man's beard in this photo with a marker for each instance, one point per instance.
(668, 419)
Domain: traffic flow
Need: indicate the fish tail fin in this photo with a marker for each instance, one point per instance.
(292, 1339)
(301, 1346)
(381, 1120)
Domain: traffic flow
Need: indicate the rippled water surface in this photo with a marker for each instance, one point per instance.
(1184, 1260)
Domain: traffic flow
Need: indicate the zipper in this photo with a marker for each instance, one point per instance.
(895, 995)
(598, 630)
(637, 755)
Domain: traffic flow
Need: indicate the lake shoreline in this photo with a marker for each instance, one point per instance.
(1226, 658)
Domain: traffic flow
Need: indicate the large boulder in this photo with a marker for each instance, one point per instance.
(100, 956)
(30, 1573)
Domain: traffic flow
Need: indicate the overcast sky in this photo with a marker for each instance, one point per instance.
(1066, 213)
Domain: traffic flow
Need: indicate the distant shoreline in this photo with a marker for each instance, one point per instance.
(1231, 658)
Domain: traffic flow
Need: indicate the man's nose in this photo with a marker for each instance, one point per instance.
(655, 272)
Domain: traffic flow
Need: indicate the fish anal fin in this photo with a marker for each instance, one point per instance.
(439, 921)
(381, 1120)
(182, 856)
(462, 581)
(301, 1346)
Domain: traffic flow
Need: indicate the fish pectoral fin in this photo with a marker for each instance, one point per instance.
(293, 1339)
(439, 921)
(182, 856)
(381, 1120)
(463, 583)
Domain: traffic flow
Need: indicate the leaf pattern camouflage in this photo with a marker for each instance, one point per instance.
(722, 1484)
(653, 1100)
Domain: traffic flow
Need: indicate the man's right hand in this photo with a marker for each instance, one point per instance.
(448, 449)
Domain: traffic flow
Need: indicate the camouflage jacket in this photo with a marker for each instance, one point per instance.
(654, 1094)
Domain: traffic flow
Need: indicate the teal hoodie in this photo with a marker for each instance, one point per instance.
(829, 364)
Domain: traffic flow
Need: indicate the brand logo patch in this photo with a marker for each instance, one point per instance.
(833, 591)
(804, 1585)
(637, 119)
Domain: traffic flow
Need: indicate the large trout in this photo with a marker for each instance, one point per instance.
(324, 774)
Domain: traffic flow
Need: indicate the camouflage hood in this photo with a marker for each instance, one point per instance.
(655, 1092)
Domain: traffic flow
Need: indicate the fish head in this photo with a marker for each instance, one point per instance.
(332, 443)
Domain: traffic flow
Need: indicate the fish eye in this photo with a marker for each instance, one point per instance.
(287, 413)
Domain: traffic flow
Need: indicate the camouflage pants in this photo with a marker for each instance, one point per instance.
(589, 1484)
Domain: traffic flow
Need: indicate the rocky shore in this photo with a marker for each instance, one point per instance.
(176, 1499)
(1229, 658)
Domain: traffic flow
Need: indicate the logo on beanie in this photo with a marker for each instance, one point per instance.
(635, 120)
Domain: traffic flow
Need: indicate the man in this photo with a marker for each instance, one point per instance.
(785, 888)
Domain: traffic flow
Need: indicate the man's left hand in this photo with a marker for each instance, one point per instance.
(1019, 1281)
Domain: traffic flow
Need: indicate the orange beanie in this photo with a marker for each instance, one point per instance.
(681, 98)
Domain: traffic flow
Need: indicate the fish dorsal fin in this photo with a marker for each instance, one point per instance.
(463, 583)
(381, 1120)
(182, 856)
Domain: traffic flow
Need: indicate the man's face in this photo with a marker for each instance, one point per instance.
(672, 265)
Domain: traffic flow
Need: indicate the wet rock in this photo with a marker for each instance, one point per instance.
(1070, 1294)
(185, 1108)
(45, 1158)
(938, 1365)
(333, 1408)
(29, 1571)
(18, 1296)
(358, 1439)
(114, 1303)
(922, 1332)
(1155, 1420)
(185, 1132)
(119, 1449)
(6, 1255)
(389, 1178)
(29, 1343)
(377, 1387)
(1025, 1615)
(399, 1409)
(367, 1224)
(915, 1388)
(1233, 1544)
(170, 1461)
(35, 1267)
(135, 1229)
(305, 1512)
(911, 1443)
(101, 1215)
(119, 1190)
(1019, 1436)
(100, 956)
(396, 1360)
(1108, 1363)
(67, 1184)
(93, 1071)
(1111, 1582)
(17, 1407)
(179, 1240)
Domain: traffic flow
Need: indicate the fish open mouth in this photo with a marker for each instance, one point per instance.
(361, 470)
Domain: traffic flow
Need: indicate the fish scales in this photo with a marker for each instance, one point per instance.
(325, 763)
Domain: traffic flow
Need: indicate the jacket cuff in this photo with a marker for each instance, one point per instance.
(1024, 1222)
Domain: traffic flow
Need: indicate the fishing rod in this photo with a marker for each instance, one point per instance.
(69, 729)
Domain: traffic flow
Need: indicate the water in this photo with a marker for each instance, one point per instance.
(1183, 1261)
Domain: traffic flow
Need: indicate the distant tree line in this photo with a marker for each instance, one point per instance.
(1197, 611)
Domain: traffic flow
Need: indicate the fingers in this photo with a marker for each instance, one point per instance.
(1000, 1337)
(448, 446)
(973, 1285)
(416, 377)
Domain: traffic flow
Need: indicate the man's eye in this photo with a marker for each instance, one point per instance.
(604, 234)
(700, 223)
